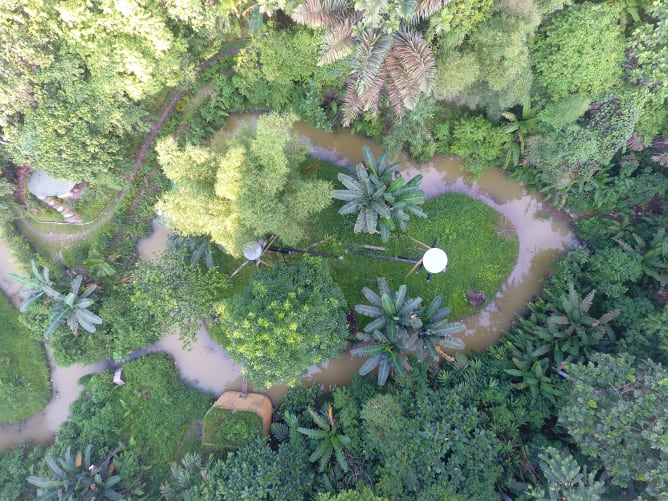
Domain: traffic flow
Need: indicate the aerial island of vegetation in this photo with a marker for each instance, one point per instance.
(215, 120)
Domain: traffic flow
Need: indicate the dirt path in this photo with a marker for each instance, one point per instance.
(39, 230)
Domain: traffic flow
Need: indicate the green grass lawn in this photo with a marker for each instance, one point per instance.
(24, 369)
(481, 251)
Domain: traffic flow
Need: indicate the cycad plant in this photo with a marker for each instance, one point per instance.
(72, 308)
(400, 326)
(379, 196)
(329, 440)
(77, 478)
(389, 55)
(36, 287)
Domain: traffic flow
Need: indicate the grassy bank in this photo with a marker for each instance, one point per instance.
(24, 369)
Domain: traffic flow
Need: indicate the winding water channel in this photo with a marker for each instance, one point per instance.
(543, 235)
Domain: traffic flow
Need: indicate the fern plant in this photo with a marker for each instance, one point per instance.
(379, 196)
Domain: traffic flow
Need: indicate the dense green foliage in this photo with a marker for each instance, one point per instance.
(569, 96)
(223, 428)
(615, 412)
(580, 51)
(286, 320)
(16, 464)
(24, 371)
(148, 414)
(242, 188)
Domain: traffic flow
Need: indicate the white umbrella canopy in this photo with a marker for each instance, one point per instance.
(435, 260)
(252, 250)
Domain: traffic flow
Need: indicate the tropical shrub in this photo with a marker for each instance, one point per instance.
(615, 414)
(286, 320)
(570, 60)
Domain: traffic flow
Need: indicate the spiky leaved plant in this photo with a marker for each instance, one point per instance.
(329, 440)
(379, 196)
(35, 286)
(390, 55)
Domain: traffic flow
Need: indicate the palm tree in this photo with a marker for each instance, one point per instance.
(379, 196)
(329, 440)
(36, 286)
(390, 57)
(76, 478)
(72, 308)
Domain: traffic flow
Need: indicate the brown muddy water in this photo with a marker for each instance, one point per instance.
(543, 235)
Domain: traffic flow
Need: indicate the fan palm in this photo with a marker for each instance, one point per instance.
(35, 287)
(72, 308)
(379, 196)
(329, 440)
(76, 478)
(389, 55)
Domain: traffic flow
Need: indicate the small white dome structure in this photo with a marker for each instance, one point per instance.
(435, 260)
(252, 250)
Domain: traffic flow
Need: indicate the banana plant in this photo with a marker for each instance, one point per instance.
(431, 328)
(72, 308)
(399, 326)
(77, 478)
(519, 127)
(35, 287)
(379, 196)
(390, 311)
(385, 352)
(328, 438)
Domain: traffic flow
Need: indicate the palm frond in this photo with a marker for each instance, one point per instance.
(370, 55)
(337, 43)
(411, 67)
(322, 13)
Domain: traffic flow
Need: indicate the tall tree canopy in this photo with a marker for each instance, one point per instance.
(73, 74)
(246, 187)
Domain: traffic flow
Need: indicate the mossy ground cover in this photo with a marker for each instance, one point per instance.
(226, 428)
(481, 252)
(24, 369)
